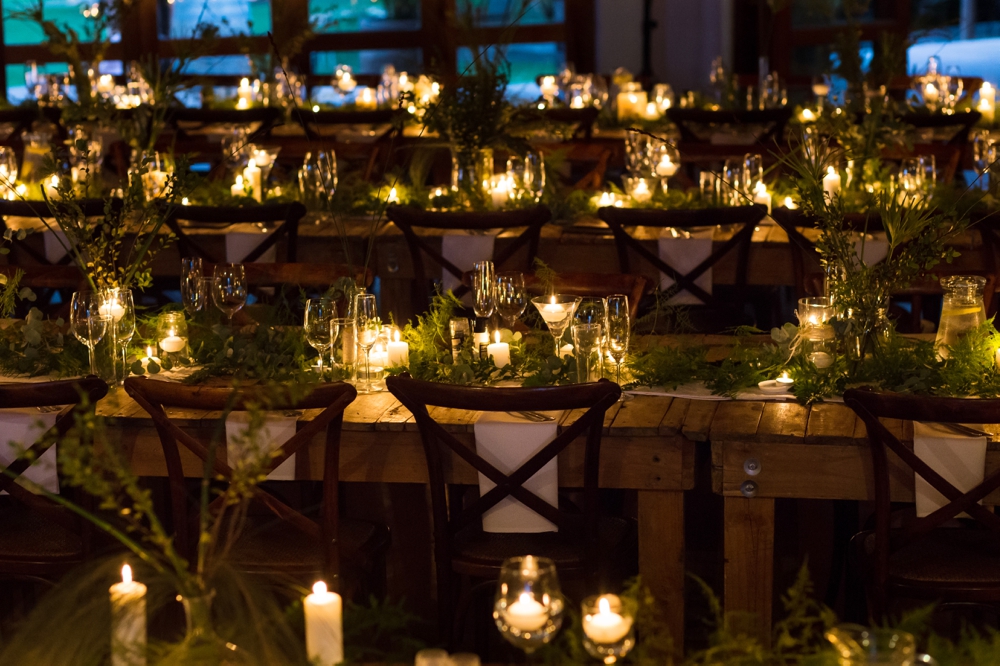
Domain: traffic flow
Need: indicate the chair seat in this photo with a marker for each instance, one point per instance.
(26, 537)
(475, 550)
(948, 560)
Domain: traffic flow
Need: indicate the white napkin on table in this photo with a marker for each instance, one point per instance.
(959, 459)
(19, 429)
(464, 250)
(506, 442)
(239, 245)
(277, 430)
(54, 249)
(684, 253)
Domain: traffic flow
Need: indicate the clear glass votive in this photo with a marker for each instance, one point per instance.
(608, 632)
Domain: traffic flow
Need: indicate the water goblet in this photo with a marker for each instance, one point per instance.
(484, 288)
(369, 326)
(192, 284)
(587, 341)
(528, 607)
(319, 323)
(229, 289)
(753, 172)
(88, 323)
(619, 331)
(511, 297)
(557, 312)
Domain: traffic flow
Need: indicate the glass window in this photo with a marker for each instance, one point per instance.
(820, 13)
(367, 62)
(527, 61)
(522, 12)
(362, 15)
(19, 30)
(17, 92)
(228, 65)
(180, 19)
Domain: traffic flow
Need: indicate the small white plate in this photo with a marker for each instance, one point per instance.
(774, 387)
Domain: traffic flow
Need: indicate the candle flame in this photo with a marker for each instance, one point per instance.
(830, 171)
(525, 598)
(244, 82)
(760, 188)
(239, 180)
(603, 607)
(397, 336)
(126, 574)
(784, 375)
(315, 108)
(184, 201)
(987, 88)
(252, 164)
(553, 299)
(807, 114)
(319, 587)
(496, 337)
(149, 352)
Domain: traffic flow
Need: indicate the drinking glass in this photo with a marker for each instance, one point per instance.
(8, 169)
(484, 288)
(118, 306)
(89, 324)
(927, 167)
(192, 284)
(619, 331)
(528, 607)
(855, 644)
(591, 311)
(528, 174)
(980, 154)
(229, 289)
(511, 297)
(369, 325)
(319, 323)
(557, 312)
(32, 78)
(732, 183)
(753, 172)
(344, 355)
(587, 341)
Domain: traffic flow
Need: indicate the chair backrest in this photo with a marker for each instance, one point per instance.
(772, 121)
(41, 210)
(440, 445)
(310, 119)
(153, 395)
(963, 121)
(408, 219)
(744, 217)
(871, 407)
(267, 117)
(70, 392)
(284, 217)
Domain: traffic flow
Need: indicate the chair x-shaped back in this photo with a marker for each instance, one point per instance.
(744, 216)
(284, 217)
(408, 219)
(154, 395)
(40, 210)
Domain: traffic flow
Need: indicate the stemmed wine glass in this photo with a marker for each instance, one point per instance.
(117, 305)
(557, 312)
(368, 328)
(89, 324)
(484, 288)
(229, 289)
(510, 297)
(192, 285)
(528, 607)
(320, 325)
(619, 331)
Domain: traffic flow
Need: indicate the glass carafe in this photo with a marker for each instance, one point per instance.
(961, 311)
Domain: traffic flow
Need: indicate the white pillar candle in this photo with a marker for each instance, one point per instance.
(379, 358)
(762, 196)
(324, 626)
(498, 351)
(549, 88)
(831, 182)
(606, 627)
(365, 99)
(631, 104)
(252, 178)
(245, 94)
(237, 190)
(987, 102)
(500, 192)
(399, 352)
(526, 614)
(128, 621)
(172, 344)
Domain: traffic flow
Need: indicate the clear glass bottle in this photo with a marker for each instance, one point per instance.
(961, 311)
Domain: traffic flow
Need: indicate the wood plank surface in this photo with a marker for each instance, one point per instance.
(783, 422)
(661, 555)
(737, 419)
(749, 563)
(698, 420)
(830, 423)
(641, 416)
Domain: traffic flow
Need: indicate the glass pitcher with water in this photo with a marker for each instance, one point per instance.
(961, 311)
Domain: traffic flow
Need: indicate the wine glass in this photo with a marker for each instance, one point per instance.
(192, 284)
(89, 324)
(619, 331)
(369, 326)
(511, 297)
(229, 289)
(587, 340)
(8, 169)
(117, 305)
(484, 288)
(753, 172)
(320, 325)
(557, 312)
(528, 607)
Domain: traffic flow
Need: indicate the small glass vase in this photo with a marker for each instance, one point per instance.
(962, 310)
(471, 170)
(201, 645)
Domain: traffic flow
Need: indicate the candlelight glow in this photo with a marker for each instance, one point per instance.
(496, 334)
(397, 336)
(319, 587)
(603, 607)
(126, 574)
(315, 108)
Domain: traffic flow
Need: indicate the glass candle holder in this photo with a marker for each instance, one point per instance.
(817, 337)
(608, 632)
(640, 189)
(528, 607)
(172, 333)
(557, 311)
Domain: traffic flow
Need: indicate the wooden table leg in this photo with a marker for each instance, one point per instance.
(661, 554)
(749, 557)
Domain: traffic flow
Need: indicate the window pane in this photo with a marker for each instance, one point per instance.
(233, 17)
(367, 62)
(230, 65)
(523, 12)
(821, 13)
(65, 13)
(527, 62)
(359, 15)
(17, 92)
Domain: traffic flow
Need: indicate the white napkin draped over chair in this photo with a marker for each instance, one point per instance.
(19, 429)
(959, 459)
(506, 442)
(871, 250)
(277, 430)
(685, 251)
(464, 250)
(240, 244)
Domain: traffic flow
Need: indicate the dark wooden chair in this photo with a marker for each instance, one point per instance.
(312, 122)
(923, 559)
(770, 123)
(39, 210)
(40, 539)
(283, 540)
(185, 121)
(410, 219)
(584, 539)
(46, 282)
(284, 217)
(964, 122)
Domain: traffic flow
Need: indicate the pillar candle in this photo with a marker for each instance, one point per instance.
(631, 104)
(399, 352)
(831, 182)
(987, 102)
(252, 178)
(498, 351)
(172, 344)
(365, 99)
(237, 190)
(128, 621)
(762, 196)
(324, 626)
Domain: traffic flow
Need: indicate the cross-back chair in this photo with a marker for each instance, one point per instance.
(295, 543)
(409, 220)
(460, 545)
(284, 217)
(38, 538)
(46, 281)
(185, 120)
(964, 122)
(923, 559)
(39, 210)
(313, 122)
(771, 122)
(745, 217)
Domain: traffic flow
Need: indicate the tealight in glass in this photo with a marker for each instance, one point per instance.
(172, 334)
(608, 627)
(528, 608)
(816, 334)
